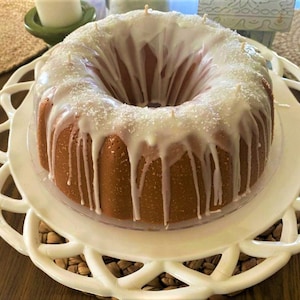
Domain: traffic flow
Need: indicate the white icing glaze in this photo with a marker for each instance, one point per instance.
(224, 93)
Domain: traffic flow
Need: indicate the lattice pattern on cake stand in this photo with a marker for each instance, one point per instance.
(156, 253)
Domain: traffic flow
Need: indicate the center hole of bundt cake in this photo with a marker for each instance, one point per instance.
(156, 76)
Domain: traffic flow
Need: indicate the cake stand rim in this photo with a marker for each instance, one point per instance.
(135, 245)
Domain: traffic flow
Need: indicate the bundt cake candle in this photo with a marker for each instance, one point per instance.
(153, 117)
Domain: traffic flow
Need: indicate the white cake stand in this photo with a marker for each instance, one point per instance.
(158, 251)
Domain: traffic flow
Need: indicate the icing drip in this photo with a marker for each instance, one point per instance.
(207, 175)
(217, 181)
(141, 81)
(195, 177)
(83, 140)
(95, 154)
(72, 138)
(133, 183)
(79, 177)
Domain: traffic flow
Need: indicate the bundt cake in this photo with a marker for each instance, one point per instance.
(153, 117)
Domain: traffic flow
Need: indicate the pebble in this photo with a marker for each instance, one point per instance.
(54, 238)
(114, 269)
(62, 262)
(83, 269)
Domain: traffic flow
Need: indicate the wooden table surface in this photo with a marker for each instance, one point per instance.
(20, 279)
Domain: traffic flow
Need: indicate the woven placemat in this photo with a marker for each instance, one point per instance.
(287, 44)
(17, 45)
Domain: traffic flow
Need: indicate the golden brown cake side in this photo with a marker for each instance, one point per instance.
(114, 175)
